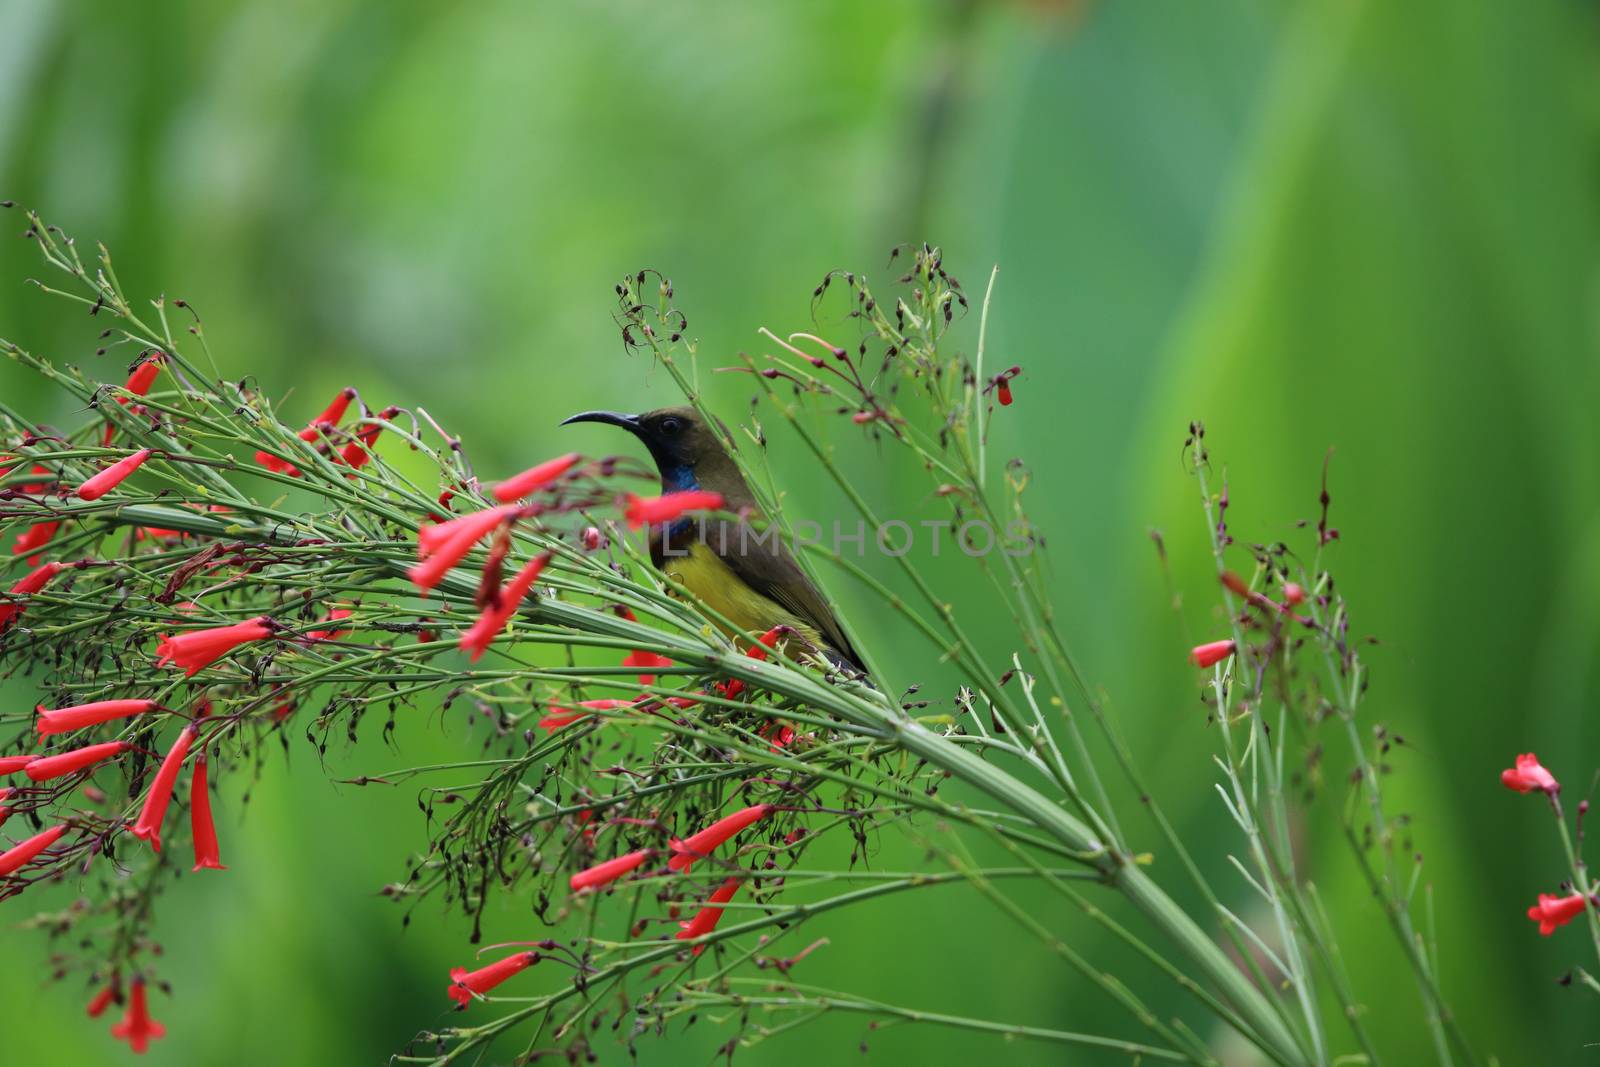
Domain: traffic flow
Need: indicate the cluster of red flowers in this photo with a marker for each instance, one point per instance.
(1530, 776)
(137, 1028)
(441, 546)
(465, 985)
(1214, 652)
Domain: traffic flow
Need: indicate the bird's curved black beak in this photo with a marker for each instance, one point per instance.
(610, 418)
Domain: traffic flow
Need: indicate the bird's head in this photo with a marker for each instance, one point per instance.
(686, 450)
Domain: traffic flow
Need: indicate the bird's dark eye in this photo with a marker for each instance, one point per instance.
(671, 427)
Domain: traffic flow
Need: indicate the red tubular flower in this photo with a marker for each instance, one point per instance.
(1552, 912)
(559, 716)
(65, 720)
(13, 764)
(358, 453)
(5, 811)
(465, 984)
(435, 538)
(26, 586)
(148, 825)
(642, 660)
(47, 767)
(731, 688)
(706, 919)
(445, 496)
(700, 845)
(198, 649)
(331, 416)
(139, 383)
(779, 738)
(767, 640)
(103, 999)
(652, 510)
(494, 618)
(113, 476)
(33, 539)
(331, 635)
(1209, 655)
(136, 1027)
(206, 855)
(143, 377)
(607, 872)
(534, 478)
(442, 546)
(1529, 775)
(15, 858)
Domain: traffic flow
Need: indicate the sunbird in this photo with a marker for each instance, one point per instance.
(742, 573)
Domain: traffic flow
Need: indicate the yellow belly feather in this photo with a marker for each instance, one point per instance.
(707, 576)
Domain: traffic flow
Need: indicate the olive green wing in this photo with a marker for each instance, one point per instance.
(761, 562)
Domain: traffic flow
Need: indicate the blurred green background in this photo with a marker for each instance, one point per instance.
(1359, 225)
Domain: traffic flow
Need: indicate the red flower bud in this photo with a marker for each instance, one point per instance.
(113, 476)
(334, 413)
(102, 1000)
(143, 377)
(445, 496)
(706, 919)
(700, 845)
(607, 872)
(137, 1028)
(206, 855)
(1552, 912)
(1002, 385)
(642, 511)
(47, 767)
(1529, 775)
(465, 984)
(148, 825)
(139, 383)
(18, 856)
(534, 478)
(1293, 593)
(767, 640)
(1209, 655)
(64, 720)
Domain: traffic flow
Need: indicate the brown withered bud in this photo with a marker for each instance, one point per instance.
(488, 594)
